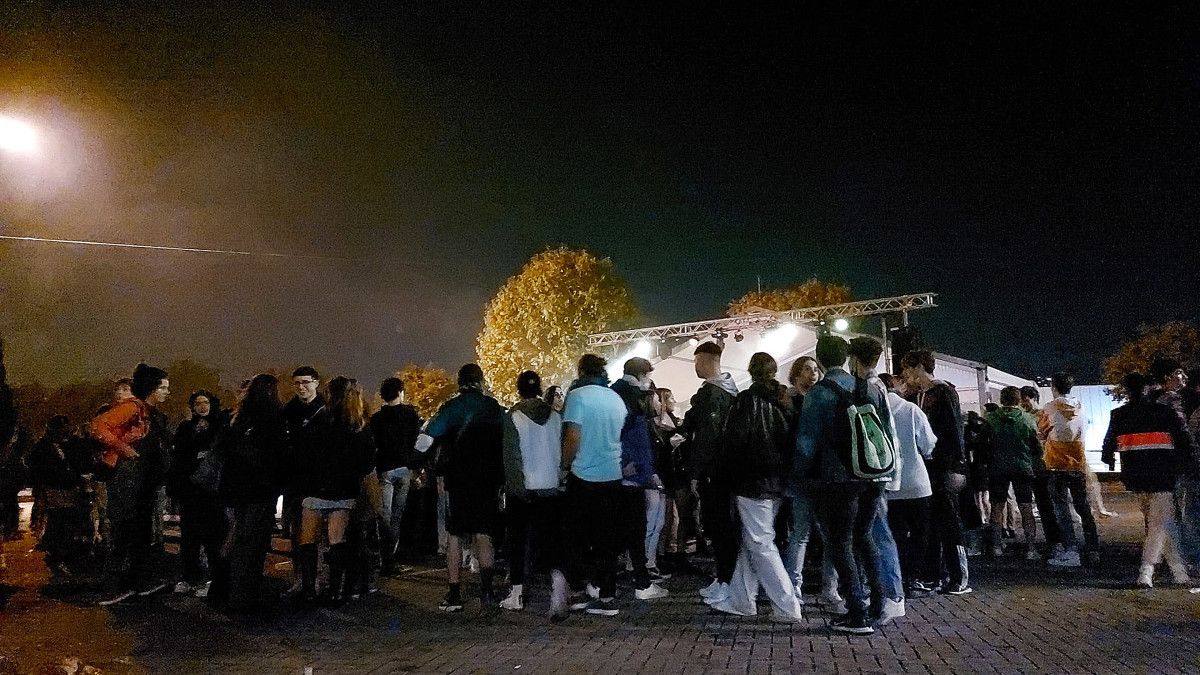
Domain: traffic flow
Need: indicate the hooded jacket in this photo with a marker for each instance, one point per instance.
(1153, 446)
(704, 422)
(940, 404)
(1012, 443)
(637, 443)
(1061, 430)
(396, 428)
(532, 448)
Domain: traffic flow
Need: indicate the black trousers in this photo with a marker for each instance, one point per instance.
(633, 539)
(131, 560)
(533, 532)
(245, 549)
(945, 532)
(201, 527)
(592, 511)
(849, 510)
(909, 521)
(1043, 496)
(720, 526)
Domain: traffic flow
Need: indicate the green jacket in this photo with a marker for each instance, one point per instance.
(1014, 448)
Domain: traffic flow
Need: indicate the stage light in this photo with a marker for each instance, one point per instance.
(841, 325)
(17, 136)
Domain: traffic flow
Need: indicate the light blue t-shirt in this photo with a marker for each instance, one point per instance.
(600, 414)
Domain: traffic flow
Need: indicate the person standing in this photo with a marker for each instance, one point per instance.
(1154, 449)
(470, 433)
(201, 519)
(396, 427)
(532, 455)
(908, 507)
(1043, 496)
(947, 471)
(758, 450)
(300, 412)
(254, 449)
(135, 437)
(703, 428)
(592, 422)
(1061, 430)
(637, 468)
(1013, 448)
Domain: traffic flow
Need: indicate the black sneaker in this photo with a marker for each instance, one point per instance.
(955, 589)
(851, 626)
(578, 602)
(603, 607)
(451, 604)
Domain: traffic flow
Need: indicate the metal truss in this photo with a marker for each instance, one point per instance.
(765, 319)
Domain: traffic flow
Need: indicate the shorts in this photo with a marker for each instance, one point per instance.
(472, 511)
(324, 505)
(1022, 487)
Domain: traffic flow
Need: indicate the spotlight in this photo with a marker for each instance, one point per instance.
(841, 325)
(693, 342)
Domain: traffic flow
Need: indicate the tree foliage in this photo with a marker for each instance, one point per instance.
(540, 319)
(426, 387)
(811, 293)
(1176, 340)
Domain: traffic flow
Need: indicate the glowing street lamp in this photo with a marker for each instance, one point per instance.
(17, 136)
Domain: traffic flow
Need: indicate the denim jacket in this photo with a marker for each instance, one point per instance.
(814, 460)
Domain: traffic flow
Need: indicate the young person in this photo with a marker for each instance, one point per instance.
(1061, 431)
(395, 427)
(201, 519)
(1013, 449)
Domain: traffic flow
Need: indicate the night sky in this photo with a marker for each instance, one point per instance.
(1035, 167)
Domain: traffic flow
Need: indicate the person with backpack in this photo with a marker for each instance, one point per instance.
(468, 430)
(757, 449)
(532, 455)
(135, 437)
(396, 427)
(637, 467)
(201, 520)
(1155, 450)
(1012, 448)
(845, 440)
(938, 399)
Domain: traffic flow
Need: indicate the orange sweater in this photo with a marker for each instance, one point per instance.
(119, 427)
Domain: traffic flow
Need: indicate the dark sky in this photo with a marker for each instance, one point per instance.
(1035, 167)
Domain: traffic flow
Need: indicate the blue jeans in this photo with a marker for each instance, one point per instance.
(849, 511)
(1187, 501)
(804, 521)
(888, 582)
(393, 496)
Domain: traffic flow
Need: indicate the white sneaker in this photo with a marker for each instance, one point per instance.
(718, 596)
(152, 589)
(593, 592)
(1145, 577)
(515, 600)
(833, 603)
(651, 592)
(1179, 575)
(1065, 559)
(559, 592)
(183, 588)
(889, 611)
(708, 590)
(202, 591)
(118, 598)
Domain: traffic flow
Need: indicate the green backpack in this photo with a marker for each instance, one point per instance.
(862, 441)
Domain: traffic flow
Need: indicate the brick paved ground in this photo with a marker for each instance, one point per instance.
(1022, 618)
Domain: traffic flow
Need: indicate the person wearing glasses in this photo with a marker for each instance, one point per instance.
(299, 412)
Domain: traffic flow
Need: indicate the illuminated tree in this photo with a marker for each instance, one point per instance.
(1174, 340)
(811, 293)
(540, 319)
(426, 387)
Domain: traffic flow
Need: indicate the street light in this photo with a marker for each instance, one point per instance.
(17, 136)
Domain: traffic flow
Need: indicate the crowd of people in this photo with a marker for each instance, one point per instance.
(603, 486)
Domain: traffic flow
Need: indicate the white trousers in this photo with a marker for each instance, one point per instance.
(759, 563)
(1162, 531)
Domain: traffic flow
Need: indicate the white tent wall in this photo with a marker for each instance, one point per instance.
(674, 368)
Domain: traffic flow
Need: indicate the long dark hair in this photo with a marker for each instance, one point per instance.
(346, 402)
(261, 399)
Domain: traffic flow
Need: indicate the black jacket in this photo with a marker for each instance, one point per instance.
(396, 428)
(703, 424)
(302, 431)
(940, 404)
(254, 452)
(757, 441)
(192, 437)
(334, 463)
(1149, 469)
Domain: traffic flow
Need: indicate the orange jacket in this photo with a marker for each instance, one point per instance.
(1061, 429)
(119, 427)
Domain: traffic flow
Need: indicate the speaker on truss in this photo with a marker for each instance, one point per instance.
(903, 340)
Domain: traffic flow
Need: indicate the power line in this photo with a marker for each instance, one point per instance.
(182, 249)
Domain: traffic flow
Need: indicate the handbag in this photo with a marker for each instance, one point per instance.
(210, 468)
